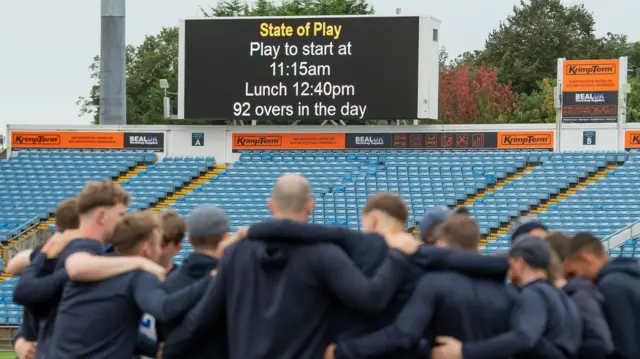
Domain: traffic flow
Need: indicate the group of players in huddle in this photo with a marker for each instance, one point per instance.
(289, 289)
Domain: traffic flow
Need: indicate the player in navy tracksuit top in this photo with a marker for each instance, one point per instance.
(101, 319)
(619, 282)
(545, 323)
(597, 342)
(41, 287)
(278, 298)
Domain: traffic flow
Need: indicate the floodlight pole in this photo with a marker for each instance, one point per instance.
(113, 90)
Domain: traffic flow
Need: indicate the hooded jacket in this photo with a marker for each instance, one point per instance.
(280, 297)
(367, 251)
(470, 305)
(544, 324)
(596, 336)
(214, 343)
(619, 283)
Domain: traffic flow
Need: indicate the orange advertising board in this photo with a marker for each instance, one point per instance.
(288, 141)
(590, 75)
(526, 140)
(631, 139)
(80, 140)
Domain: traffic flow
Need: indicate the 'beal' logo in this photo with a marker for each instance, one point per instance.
(602, 69)
(370, 140)
(258, 141)
(33, 139)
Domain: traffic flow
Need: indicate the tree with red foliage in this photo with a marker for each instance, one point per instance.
(474, 96)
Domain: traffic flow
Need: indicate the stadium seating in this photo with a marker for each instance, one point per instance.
(34, 182)
(570, 191)
(163, 178)
(10, 313)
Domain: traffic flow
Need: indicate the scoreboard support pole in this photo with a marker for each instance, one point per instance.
(113, 91)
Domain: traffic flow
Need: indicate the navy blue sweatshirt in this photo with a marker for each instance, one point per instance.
(145, 344)
(42, 284)
(212, 344)
(619, 283)
(29, 327)
(545, 324)
(101, 319)
(280, 298)
(596, 336)
(367, 250)
(468, 307)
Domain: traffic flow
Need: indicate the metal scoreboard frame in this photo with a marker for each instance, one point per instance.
(426, 106)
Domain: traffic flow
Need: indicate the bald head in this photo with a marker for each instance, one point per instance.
(292, 194)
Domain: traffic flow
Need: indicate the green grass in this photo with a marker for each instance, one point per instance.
(7, 355)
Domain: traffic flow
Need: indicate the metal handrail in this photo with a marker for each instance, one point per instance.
(627, 233)
(27, 226)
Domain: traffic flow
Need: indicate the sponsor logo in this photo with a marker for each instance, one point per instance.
(590, 110)
(370, 140)
(590, 97)
(144, 140)
(257, 141)
(634, 139)
(602, 69)
(37, 139)
(523, 140)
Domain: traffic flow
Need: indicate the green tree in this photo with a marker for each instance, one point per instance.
(536, 107)
(157, 57)
(633, 102)
(526, 46)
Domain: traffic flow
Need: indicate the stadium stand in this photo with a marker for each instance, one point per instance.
(569, 191)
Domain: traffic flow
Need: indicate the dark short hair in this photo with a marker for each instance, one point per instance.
(461, 210)
(101, 194)
(389, 203)
(173, 228)
(559, 242)
(134, 229)
(584, 242)
(459, 231)
(67, 215)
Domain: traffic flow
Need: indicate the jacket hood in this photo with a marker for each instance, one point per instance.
(626, 266)
(274, 256)
(197, 265)
(472, 264)
(366, 250)
(578, 284)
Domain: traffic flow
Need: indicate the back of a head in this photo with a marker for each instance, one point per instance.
(173, 228)
(292, 194)
(559, 242)
(134, 229)
(66, 214)
(207, 226)
(459, 231)
(535, 251)
(101, 194)
(390, 204)
(585, 242)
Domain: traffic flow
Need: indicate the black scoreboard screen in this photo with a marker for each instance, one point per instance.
(360, 67)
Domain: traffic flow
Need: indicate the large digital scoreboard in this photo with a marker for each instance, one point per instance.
(342, 67)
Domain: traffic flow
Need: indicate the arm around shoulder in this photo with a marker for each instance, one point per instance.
(19, 262)
(85, 267)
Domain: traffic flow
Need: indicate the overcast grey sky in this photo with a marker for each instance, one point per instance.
(46, 46)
